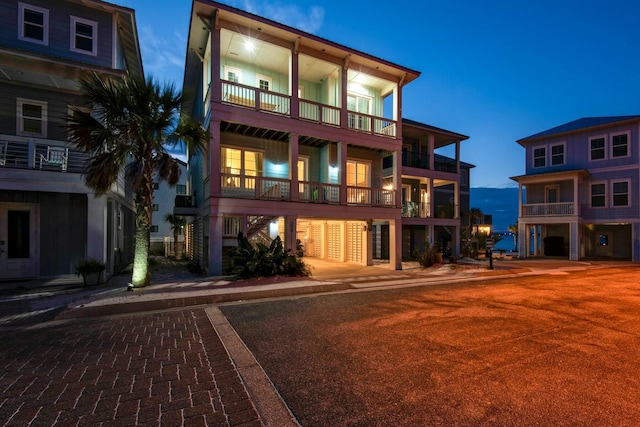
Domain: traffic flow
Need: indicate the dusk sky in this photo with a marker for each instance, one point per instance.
(497, 71)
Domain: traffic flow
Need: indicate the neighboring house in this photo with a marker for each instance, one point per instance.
(164, 197)
(49, 219)
(306, 143)
(580, 195)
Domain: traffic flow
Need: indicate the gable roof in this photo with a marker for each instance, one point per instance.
(578, 125)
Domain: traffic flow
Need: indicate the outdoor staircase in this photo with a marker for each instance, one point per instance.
(255, 225)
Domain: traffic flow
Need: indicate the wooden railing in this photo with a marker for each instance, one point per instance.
(251, 97)
(318, 192)
(549, 209)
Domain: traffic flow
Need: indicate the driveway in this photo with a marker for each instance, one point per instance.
(556, 350)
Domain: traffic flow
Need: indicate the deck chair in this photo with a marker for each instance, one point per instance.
(56, 156)
(3, 152)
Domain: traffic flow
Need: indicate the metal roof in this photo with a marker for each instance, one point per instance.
(578, 125)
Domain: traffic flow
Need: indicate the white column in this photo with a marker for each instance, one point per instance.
(293, 167)
(395, 245)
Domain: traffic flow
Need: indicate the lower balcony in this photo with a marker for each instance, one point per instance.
(40, 154)
(267, 188)
(549, 209)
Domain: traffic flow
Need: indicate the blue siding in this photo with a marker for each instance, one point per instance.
(60, 13)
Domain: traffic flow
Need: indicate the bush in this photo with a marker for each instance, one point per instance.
(426, 257)
(89, 266)
(261, 261)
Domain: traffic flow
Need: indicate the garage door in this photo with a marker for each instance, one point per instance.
(354, 241)
(335, 241)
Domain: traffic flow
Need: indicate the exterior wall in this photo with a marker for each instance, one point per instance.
(59, 45)
(616, 225)
(165, 197)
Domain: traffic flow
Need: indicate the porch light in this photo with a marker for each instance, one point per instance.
(249, 45)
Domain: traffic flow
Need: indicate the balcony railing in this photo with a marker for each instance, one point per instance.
(371, 124)
(415, 210)
(317, 192)
(549, 209)
(446, 210)
(370, 196)
(319, 113)
(415, 160)
(445, 166)
(251, 97)
(255, 187)
(28, 153)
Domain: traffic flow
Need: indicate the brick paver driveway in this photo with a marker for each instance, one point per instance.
(153, 369)
(548, 350)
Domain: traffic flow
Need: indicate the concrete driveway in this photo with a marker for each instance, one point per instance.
(557, 349)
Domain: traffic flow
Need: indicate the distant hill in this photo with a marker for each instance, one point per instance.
(502, 203)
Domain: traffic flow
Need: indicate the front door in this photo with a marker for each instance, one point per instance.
(18, 241)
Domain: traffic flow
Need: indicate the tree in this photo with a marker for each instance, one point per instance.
(177, 223)
(131, 123)
(513, 228)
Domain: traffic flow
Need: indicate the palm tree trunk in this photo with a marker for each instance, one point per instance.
(141, 274)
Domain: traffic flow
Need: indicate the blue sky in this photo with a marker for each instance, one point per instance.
(497, 71)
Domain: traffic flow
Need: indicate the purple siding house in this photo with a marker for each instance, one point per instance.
(580, 196)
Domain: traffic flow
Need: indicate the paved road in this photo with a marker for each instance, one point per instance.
(161, 369)
(558, 349)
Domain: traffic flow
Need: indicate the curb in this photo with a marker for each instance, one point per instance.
(81, 312)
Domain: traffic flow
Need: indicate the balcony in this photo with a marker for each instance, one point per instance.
(415, 210)
(29, 153)
(549, 209)
(266, 188)
(185, 206)
(276, 103)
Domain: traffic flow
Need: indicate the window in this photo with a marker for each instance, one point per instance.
(620, 192)
(557, 155)
(619, 145)
(154, 229)
(181, 189)
(539, 157)
(244, 163)
(359, 104)
(358, 175)
(597, 148)
(84, 36)
(34, 24)
(156, 207)
(598, 196)
(234, 75)
(264, 82)
(31, 118)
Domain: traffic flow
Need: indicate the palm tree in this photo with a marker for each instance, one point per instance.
(177, 222)
(132, 122)
(513, 228)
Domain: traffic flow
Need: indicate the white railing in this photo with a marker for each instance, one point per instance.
(317, 192)
(232, 226)
(319, 113)
(251, 97)
(549, 209)
(371, 124)
(370, 196)
(26, 153)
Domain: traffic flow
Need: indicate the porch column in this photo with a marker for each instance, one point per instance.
(519, 200)
(293, 167)
(432, 210)
(576, 207)
(395, 244)
(214, 159)
(458, 157)
(294, 82)
(523, 239)
(431, 143)
(291, 233)
(456, 200)
(342, 171)
(397, 178)
(369, 243)
(96, 227)
(344, 115)
(216, 85)
(216, 227)
(574, 241)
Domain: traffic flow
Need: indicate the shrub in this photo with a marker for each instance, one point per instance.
(89, 266)
(261, 260)
(426, 257)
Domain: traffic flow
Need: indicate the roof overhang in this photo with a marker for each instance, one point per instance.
(551, 176)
